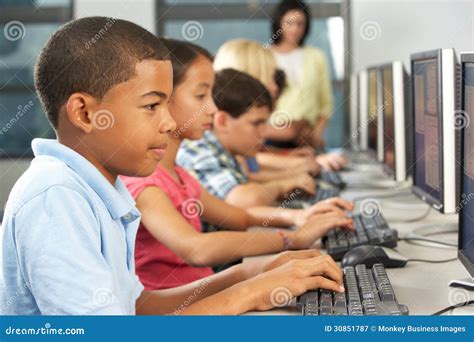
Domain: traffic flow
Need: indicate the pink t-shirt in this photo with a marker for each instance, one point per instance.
(157, 266)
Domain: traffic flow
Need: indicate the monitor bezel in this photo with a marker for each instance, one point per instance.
(373, 152)
(418, 191)
(465, 58)
(399, 171)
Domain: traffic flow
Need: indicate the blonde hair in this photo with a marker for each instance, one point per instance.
(246, 56)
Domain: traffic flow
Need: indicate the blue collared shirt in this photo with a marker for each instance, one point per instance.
(68, 239)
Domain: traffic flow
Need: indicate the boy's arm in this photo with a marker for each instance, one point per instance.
(174, 300)
(290, 163)
(228, 293)
(219, 213)
(254, 194)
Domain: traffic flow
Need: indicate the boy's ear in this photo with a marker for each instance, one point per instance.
(80, 108)
(221, 119)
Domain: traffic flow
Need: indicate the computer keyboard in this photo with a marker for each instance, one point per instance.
(333, 178)
(322, 194)
(368, 231)
(368, 292)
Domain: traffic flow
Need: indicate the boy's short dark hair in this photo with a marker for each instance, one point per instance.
(236, 92)
(91, 55)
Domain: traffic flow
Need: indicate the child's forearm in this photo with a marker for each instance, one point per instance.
(234, 300)
(222, 247)
(253, 194)
(176, 300)
(275, 174)
(272, 216)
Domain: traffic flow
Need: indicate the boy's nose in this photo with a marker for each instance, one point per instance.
(168, 124)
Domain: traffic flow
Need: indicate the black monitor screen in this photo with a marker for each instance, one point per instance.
(467, 203)
(388, 118)
(427, 133)
(372, 119)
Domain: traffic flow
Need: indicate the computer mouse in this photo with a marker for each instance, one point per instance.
(370, 255)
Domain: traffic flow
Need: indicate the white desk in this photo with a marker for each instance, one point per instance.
(423, 287)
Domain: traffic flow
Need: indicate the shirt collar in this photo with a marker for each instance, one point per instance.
(212, 139)
(117, 199)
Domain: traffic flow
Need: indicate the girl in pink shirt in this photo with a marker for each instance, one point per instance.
(170, 249)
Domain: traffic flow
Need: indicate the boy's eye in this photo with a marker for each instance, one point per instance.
(201, 97)
(152, 106)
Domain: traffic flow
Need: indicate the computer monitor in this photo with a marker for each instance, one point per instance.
(354, 112)
(465, 120)
(374, 118)
(397, 123)
(362, 129)
(434, 102)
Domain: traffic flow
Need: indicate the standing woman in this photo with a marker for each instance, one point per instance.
(307, 98)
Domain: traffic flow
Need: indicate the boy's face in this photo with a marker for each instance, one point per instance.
(191, 104)
(131, 123)
(245, 134)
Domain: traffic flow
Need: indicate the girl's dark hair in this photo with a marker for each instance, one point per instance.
(182, 55)
(282, 8)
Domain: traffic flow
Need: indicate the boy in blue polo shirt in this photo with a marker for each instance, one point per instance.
(69, 227)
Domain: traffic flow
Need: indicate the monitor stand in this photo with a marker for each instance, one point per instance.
(427, 231)
(377, 184)
(467, 283)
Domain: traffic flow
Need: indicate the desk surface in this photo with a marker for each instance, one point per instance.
(423, 287)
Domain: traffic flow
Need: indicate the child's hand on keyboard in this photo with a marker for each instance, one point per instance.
(335, 204)
(316, 227)
(332, 204)
(278, 286)
(302, 182)
(331, 161)
(260, 265)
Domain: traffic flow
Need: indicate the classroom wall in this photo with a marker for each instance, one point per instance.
(382, 30)
(141, 12)
(386, 30)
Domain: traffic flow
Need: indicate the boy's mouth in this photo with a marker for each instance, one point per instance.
(159, 152)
